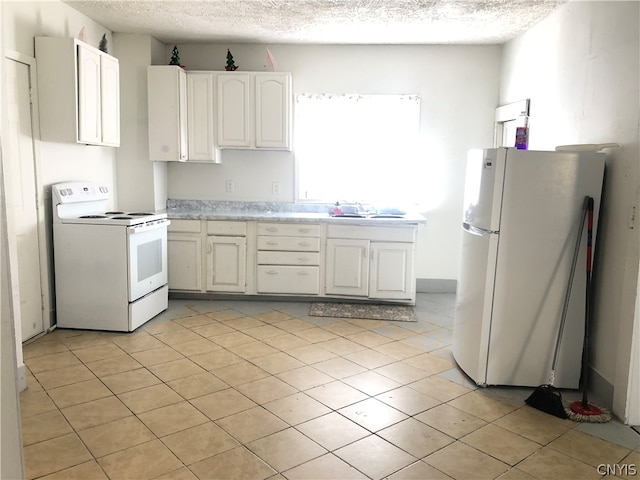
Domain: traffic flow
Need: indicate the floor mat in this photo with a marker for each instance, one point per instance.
(397, 313)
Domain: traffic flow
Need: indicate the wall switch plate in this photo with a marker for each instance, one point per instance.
(275, 188)
(230, 186)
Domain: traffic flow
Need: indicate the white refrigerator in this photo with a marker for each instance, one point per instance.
(522, 212)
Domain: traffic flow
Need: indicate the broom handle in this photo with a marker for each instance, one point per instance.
(565, 306)
(587, 306)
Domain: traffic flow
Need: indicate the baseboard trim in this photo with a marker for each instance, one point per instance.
(436, 285)
(600, 390)
(22, 377)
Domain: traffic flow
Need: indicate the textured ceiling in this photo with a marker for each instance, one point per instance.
(320, 21)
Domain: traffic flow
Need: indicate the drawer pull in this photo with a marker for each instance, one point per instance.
(303, 259)
(304, 273)
(271, 229)
(304, 244)
(271, 272)
(272, 242)
(304, 230)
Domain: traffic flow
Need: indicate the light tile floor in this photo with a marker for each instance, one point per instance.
(256, 390)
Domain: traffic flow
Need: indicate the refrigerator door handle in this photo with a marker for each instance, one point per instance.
(475, 230)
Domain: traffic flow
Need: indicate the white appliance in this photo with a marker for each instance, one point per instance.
(110, 267)
(522, 211)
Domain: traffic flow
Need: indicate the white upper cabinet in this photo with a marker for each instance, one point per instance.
(181, 115)
(234, 122)
(79, 92)
(110, 95)
(254, 110)
(200, 118)
(273, 110)
(167, 107)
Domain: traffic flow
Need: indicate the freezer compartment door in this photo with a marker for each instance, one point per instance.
(474, 302)
(483, 188)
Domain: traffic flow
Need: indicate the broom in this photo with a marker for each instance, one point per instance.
(547, 398)
(583, 411)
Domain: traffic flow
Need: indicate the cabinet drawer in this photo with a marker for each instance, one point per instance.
(288, 258)
(223, 227)
(185, 226)
(289, 229)
(378, 234)
(292, 244)
(288, 279)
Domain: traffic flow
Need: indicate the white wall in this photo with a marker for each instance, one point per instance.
(458, 86)
(142, 185)
(11, 462)
(580, 68)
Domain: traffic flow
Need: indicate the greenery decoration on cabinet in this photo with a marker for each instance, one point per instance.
(230, 66)
(103, 44)
(175, 57)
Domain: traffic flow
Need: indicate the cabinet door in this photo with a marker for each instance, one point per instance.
(347, 267)
(182, 115)
(200, 117)
(184, 254)
(226, 264)
(110, 100)
(234, 110)
(272, 110)
(391, 271)
(89, 116)
(167, 108)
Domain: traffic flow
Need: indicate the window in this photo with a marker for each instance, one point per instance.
(357, 148)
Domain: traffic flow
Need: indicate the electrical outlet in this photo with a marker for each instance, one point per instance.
(230, 186)
(275, 188)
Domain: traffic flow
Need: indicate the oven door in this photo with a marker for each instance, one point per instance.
(147, 246)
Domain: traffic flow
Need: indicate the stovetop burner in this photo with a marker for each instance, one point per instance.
(140, 214)
(114, 213)
(93, 216)
(122, 217)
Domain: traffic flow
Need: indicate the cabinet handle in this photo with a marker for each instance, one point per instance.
(304, 230)
(303, 259)
(271, 229)
(271, 272)
(303, 272)
(304, 244)
(272, 243)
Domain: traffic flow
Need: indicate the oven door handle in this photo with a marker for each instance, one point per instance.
(148, 227)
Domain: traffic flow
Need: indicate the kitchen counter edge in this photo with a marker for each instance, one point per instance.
(300, 217)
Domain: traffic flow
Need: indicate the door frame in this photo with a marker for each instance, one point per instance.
(30, 62)
(504, 114)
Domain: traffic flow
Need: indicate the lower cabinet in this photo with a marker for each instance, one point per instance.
(347, 267)
(184, 255)
(368, 266)
(226, 256)
(288, 259)
(391, 272)
(278, 258)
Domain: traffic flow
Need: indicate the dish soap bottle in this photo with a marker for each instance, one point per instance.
(522, 132)
(336, 209)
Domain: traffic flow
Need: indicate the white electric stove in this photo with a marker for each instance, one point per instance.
(110, 266)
